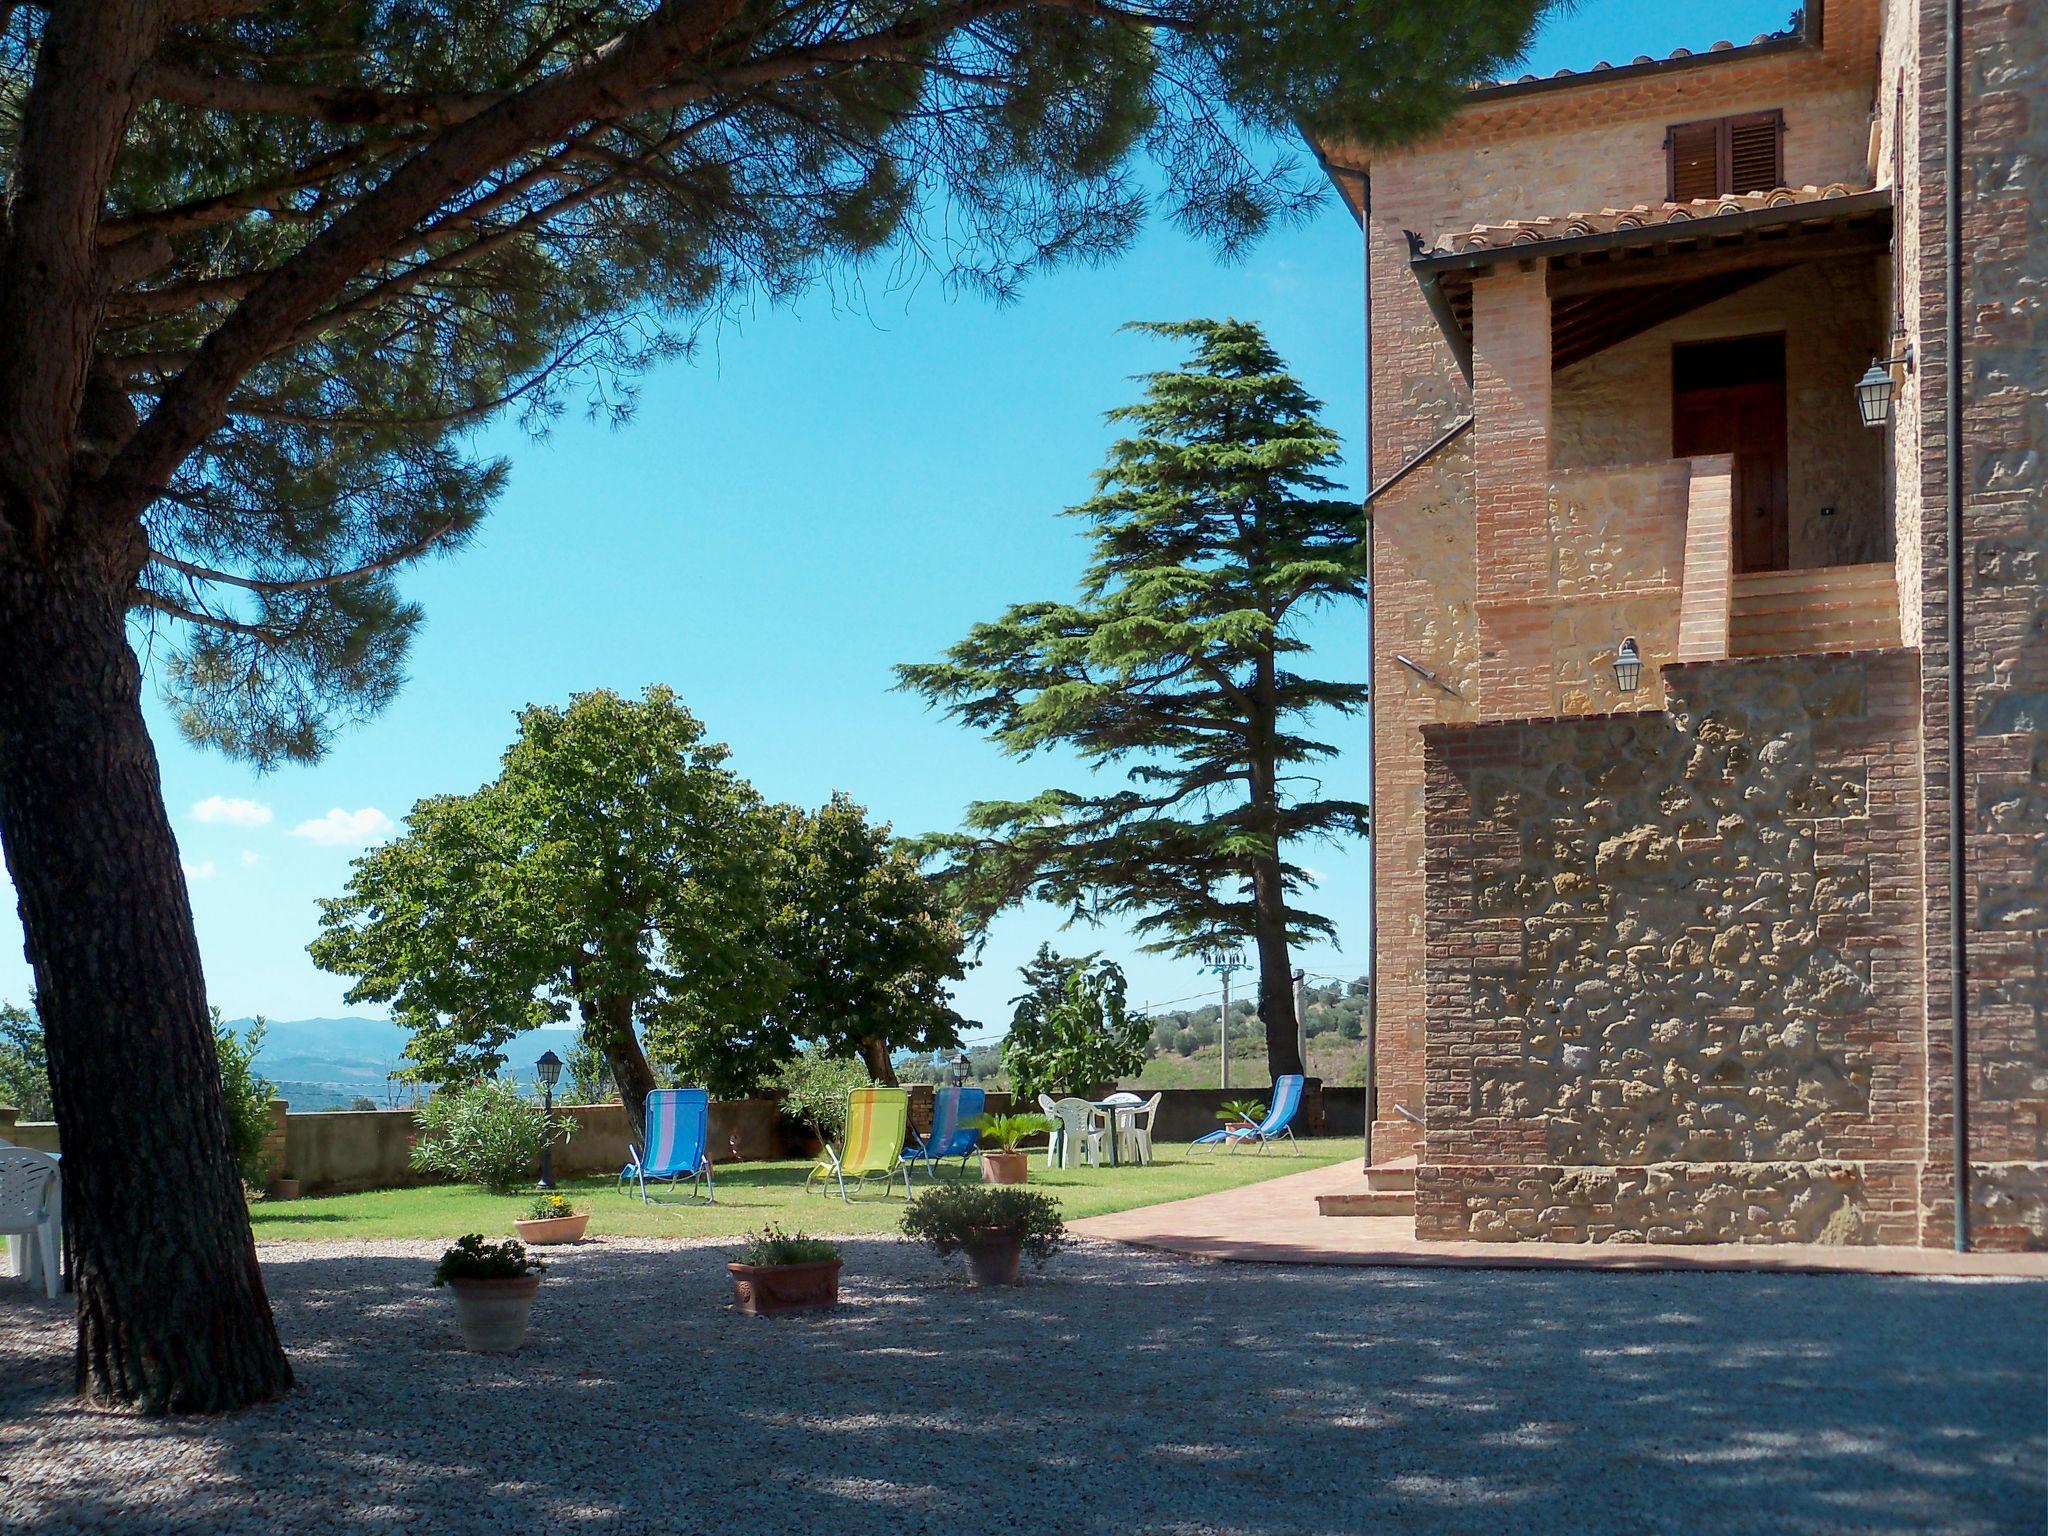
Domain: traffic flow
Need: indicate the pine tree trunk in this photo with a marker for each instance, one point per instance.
(1269, 890)
(171, 1311)
(1276, 972)
(609, 1020)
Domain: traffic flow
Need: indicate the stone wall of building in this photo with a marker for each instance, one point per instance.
(2004, 560)
(1674, 964)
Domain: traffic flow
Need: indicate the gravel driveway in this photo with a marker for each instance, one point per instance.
(1125, 1393)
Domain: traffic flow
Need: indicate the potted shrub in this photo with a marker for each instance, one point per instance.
(494, 1285)
(1241, 1114)
(282, 1188)
(782, 1271)
(1002, 1163)
(995, 1228)
(551, 1219)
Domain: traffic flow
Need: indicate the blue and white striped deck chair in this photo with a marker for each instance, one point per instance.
(678, 1125)
(1279, 1119)
(954, 1111)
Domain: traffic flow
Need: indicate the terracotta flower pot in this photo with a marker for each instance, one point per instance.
(552, 1229)
(1005, 1167)
(993, 1258)
(493, 1314)
(759, 1289)
(284, 1189)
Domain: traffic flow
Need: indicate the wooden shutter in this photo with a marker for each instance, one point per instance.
(1755, 152)
(1720, 155)
(1693, 156)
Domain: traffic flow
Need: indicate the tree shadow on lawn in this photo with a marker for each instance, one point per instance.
(1118, 1393)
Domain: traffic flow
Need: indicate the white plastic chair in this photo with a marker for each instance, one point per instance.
(1051, 1111)
(1081, 1130)
(32, 1212)
(1137, 1128)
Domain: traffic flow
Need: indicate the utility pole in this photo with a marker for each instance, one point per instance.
(1301, 1017)
(1221, 962)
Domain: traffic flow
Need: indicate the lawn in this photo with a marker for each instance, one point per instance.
(752, 1194)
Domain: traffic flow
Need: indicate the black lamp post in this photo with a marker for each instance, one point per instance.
(549, 1070)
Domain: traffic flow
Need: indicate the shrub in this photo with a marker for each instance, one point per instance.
(969, 1217)
(772, 1247)
(248, 1094)
(484, 1133)
(1250, 1111)
(474, 1259)
(550, 1207)
(814, 1088)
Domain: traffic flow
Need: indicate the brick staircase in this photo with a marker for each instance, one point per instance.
(1827, 608)
(1389, 1191)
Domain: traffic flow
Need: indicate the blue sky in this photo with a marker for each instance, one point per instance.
(821, 493)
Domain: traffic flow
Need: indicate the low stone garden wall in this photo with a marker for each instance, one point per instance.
(335, 1151)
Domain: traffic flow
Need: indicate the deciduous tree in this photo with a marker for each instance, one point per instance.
(615, 867)
(1214, 537)
(265, 265)
(1072, 1029)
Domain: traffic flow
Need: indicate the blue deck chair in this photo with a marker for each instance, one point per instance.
(1279, 1119)
(678, 1125)
(954, 1111)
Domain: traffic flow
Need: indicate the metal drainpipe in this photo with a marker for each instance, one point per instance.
(1958, 930)
(1372, 763)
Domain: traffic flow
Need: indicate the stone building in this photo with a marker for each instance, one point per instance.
(1674, 963)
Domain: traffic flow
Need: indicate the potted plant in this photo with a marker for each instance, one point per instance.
(551, 1219)
(282, 1188)
(1003, 1163)
(995, 1228)
(494, 1285)
(780, 1271)
(1241, 1114)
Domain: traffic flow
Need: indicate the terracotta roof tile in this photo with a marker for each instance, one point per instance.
(1486, 237)
(1676, 55)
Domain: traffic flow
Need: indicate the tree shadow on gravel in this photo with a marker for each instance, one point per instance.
(1120, 1393)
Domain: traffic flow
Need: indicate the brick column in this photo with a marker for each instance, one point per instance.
(1709, 560)
(275, 1146)
(1511, 404)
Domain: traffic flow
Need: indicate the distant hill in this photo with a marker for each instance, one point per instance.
(320, 1063)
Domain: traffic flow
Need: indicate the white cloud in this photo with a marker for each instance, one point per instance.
(205, 871)
(251, 858)
(339, 827)
(231, 811)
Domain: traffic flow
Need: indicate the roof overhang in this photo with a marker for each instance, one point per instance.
(1612, 284)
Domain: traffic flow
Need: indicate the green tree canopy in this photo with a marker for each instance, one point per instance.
(24, 1067)
(1072, 1031)
(615, 866)
(1176, 663)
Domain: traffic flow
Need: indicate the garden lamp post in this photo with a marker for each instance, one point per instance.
(549, 1070)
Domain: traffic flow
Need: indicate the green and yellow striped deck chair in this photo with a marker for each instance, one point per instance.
(877, 1126)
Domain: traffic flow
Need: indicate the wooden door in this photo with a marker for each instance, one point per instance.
(1717, 410)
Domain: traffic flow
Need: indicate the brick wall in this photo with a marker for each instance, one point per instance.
(2004, 563)
(1674, 964)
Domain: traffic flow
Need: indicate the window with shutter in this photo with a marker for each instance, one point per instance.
(1753, 152)
(1720, 155)
(1695, 154)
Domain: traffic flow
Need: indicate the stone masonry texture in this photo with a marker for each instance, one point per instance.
(1674, 964)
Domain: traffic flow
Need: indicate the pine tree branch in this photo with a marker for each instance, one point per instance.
(393, 558)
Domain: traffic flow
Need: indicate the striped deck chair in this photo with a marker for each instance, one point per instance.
(1279, 1119)
(877, 1125)
(678, 1126)
(954, 1111)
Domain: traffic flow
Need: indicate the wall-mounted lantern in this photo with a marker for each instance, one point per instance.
(1875, 389)
(1628, 666)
